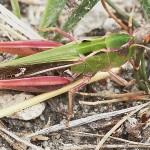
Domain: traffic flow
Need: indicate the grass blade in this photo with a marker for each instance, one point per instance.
(17, 24)
(16, 8)
(146, 6)
(52, 11)
(77, 15)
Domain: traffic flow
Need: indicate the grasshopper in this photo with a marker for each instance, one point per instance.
(87, 57)
(92, 56)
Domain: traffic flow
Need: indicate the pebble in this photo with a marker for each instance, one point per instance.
(42, 118)
(47, 148)
(3, 148)
(117, 91)
(96, 109)
(1, 58)
(111, 25)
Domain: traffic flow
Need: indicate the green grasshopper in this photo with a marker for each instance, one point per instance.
(89, 57)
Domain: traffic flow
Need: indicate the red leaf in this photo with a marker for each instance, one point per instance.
(34, 84)
(29, 47)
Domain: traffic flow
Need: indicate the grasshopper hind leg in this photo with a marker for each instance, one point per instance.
(86, 79)
(120, 80)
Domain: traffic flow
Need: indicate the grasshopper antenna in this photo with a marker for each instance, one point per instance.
(57, 30)
(130, 22)
(114, 17)
(140, 45)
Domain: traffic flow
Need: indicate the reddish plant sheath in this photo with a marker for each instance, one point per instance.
(29, 47)
(34, 84)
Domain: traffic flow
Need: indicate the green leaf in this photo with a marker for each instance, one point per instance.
(77, 15)
(52, 11)
(146, 6)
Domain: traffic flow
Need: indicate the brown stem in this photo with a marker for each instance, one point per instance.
(114, 17)
(147, 39)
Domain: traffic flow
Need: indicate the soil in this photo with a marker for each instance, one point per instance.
(96, 23)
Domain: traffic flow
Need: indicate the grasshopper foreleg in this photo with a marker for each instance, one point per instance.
(86, 79)
(120, 80)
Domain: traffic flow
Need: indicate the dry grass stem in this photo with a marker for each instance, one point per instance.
(115, 138)
(109, 146)
(11, 31)
(20, 140)
(86, 120)
(118, 125)
(15, 145)
(17, 24)
(117, 97)
(138, 98)
(112, 95)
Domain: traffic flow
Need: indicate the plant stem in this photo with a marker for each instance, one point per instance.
(114, 17)
(140, 84)
(122, 13)
(140, 69)
(143, 69)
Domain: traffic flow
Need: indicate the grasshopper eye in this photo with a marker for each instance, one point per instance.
(123, 51)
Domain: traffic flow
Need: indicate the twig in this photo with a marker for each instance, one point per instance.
(15, 145)
(115, 138)
(83, 147)
(114, 17)
(119, 124)
(82, 121)
(117, 97)
(20, 140)
(139, 98)
(122, 13)
(112, 95)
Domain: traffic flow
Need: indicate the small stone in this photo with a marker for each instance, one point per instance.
(57, 136)
(96, 109)
(3, 148)
(45, 144)
(117, 91)
(47, 148)
(110, 25)
(86, 110)
(42, 118)
(1, 58)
